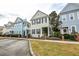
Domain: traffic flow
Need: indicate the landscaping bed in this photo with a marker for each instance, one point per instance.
(44, 48)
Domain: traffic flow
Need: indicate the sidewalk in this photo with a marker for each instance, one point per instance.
(69, 42)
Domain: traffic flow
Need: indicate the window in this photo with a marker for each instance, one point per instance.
(45, 19)
(38, 21)
(24, 23)
(63, 17)
(28, 25)
(38, 31)
(33, 22)
(78, 15)
(73, 29)
(42, 20)
(71, 16)
(33, 31)
(11, 32)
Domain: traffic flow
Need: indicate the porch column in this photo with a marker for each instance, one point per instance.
(25, 32)
(41, 32)
(48, 32)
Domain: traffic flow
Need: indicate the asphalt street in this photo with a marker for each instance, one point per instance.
(14, 48)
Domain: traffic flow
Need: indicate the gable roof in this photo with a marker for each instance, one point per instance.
(39, 14)
(70, 7)
(17, 19)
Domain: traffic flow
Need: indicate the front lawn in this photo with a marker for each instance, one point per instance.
(43, 48)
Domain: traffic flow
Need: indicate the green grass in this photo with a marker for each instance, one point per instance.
(54, 49)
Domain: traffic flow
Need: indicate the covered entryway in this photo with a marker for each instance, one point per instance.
(45, 31)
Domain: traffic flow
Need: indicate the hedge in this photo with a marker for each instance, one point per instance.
(69, 37)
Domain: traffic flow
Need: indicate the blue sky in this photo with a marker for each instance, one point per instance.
(10, 9)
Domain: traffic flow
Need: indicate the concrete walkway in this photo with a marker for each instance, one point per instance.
(14, 48)
(68, 42)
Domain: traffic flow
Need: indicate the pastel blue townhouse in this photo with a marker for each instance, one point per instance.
(69, 16)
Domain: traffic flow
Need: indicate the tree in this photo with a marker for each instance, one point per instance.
(54, 21)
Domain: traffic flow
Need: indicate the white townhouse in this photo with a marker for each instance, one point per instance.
(7, 28)
(20, 26)
(40, 24)
(70, 18)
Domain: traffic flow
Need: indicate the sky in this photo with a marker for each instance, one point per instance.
(10, 9)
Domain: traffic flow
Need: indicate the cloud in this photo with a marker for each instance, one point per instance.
(2, 16)
(25, 9)
(57, 7)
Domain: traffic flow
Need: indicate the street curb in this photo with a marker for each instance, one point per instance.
(30, 47)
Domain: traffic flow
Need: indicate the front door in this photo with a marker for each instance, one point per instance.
(45, 31)
(23, 33)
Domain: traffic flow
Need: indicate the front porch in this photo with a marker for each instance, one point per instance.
(41, 32)
(45, 31)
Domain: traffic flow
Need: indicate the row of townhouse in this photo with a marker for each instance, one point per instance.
(69, 16)
(20, 26)
(40, 26)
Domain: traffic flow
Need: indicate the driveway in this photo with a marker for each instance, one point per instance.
(14, 48)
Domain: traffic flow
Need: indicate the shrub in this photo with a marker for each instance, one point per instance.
(15, 35)
(69, 37)
(57, 34)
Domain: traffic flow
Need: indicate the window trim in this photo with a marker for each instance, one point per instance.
(71, 15)
(64, 17)
(33, 31)
(45, 19)
(42, 20)
(75, 28)
(78, 15)
(38, 30)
